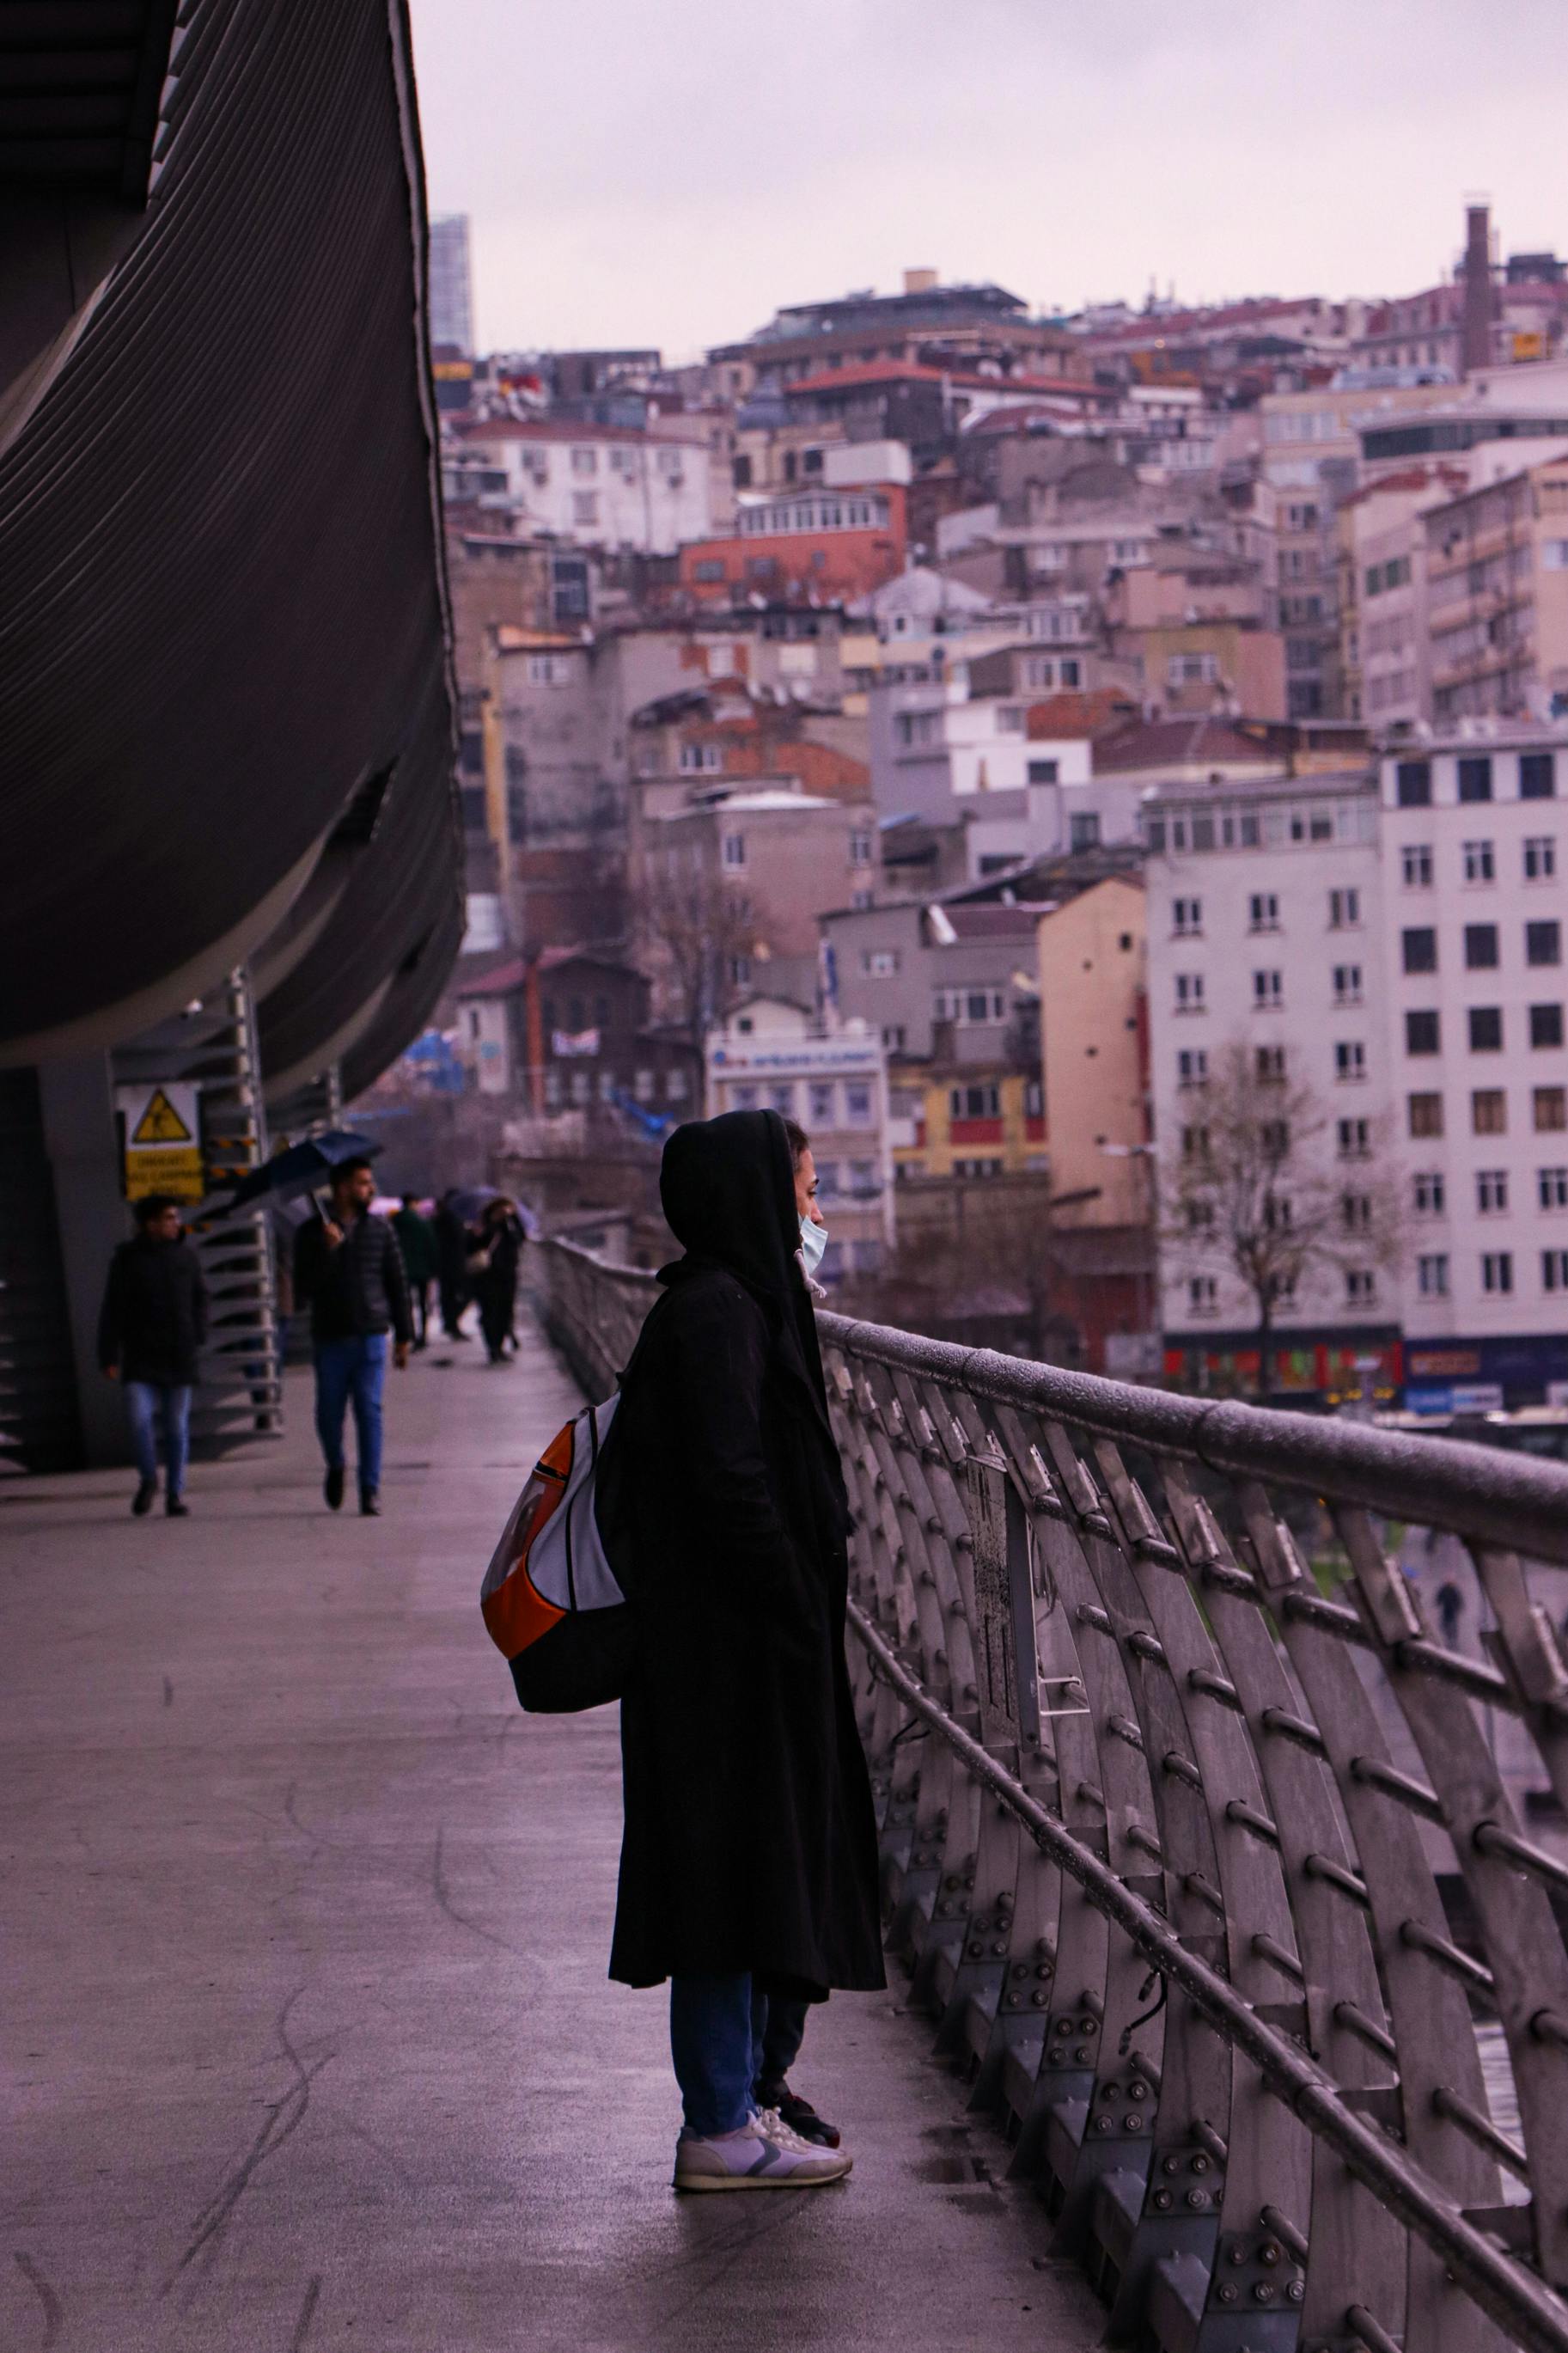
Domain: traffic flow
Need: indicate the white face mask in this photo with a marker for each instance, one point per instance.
(813, 1242)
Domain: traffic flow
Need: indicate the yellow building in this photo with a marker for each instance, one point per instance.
(1094, 1053)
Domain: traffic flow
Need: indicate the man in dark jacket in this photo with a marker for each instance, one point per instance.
(451, 1264)
(749, 1861)
(153, 1323)
(349, 1268)
(417, 1240)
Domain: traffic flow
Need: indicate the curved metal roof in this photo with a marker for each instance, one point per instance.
(221, 610)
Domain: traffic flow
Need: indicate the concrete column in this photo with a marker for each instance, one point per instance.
(77, 1098)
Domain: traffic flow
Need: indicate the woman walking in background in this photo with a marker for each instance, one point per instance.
(492, 1273)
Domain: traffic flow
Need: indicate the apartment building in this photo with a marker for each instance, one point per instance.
(1474, 851)
(1496, 564)
(771, 1053)
(1094, 1053)
(1264, 932)
(812, 544)
(597, 485)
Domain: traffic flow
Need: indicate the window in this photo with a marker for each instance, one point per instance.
(1481, 947)
(675, 1085)
(1488, 1112)
(1195, 1144)
(1347, 984)
(1274, 1134)
(969, 1005)
(1419, 949)
(1551, 1110)
(857, 1102)
(1198, 1216)
(879, 964)
(974, 1103)
(734, 850)
(1355, 1212)
(912, 728)
(1187, 917)
(1492, 1191)
(697, 759)
(861, 849)
(1429, 1192)
(642, 1086)
(1486, 1028)
(780, 1099)
(1543, 943)
(1424, 1114)
(1432, 1275)
(1189, 992)
(1551, 1187)
(1263, 912)
(1083, 829)
(821, 1096)
(1270, 1066)
(1479, 861)
(584, 461)
(709, 567)
(545, 669)
(585, 509)
(740, 971)
(1350, 1059)
(1354, 1139)
(1497, 1272)
(894, 1037)
(1045, 772)
(1555, 1270)
(1422, 1034)
(1546, 1025)
(1202, 1294)
(1540, 857)
(1413, 784)
(1360, 1286)
(1267, 991)
(1416, 866)
(1193, 1067)
(1192, 670)
(1537, 776)
(1345, 910)
(1476, 778)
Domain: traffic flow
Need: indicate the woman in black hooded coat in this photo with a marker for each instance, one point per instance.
(750, 1850)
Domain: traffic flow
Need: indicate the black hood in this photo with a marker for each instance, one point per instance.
(728, 1193)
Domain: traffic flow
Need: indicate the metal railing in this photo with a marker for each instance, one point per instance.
(1196, 1842)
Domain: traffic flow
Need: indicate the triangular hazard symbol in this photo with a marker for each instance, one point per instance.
(161, 1123)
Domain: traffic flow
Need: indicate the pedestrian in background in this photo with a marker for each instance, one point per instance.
(452, 1246)
(749, 1863)
(420, 1263)
(348, 1266)
(492, 1266)
(149, 1332)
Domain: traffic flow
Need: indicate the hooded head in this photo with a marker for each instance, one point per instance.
(726, 1187)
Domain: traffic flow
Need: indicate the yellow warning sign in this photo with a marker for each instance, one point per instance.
(160, 1123)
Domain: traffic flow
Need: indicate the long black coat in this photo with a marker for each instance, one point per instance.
(750, 1839)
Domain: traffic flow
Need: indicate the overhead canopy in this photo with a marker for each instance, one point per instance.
(224, 640)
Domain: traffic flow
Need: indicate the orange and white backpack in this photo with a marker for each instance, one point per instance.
(551, 1601)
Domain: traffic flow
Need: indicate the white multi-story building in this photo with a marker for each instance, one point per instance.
(451, 282)
(771, 1054)
(1400, 939)
(1474, 856)
(597, 485)
(1263, 913)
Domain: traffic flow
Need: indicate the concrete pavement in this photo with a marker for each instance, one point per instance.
(307, 2029)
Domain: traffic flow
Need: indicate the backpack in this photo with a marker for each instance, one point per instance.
(551, 1601)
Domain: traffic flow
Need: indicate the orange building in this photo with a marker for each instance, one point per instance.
(820, 542)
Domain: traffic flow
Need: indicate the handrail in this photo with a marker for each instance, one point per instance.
(1153, 1754)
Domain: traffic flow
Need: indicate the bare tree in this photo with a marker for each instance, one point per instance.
(696, 929)
(1251, 1189)
(984, 1252)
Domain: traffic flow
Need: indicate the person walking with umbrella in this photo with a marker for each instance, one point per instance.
(492, 1273)
(349, 1269)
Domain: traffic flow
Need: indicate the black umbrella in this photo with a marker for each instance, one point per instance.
(301, 1166)
(467, 1203)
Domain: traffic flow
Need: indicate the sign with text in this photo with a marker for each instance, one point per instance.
(163, 1131)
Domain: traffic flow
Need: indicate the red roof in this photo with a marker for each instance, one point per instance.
(870, 372)
(1225, 314)
(1062, 716)
(1175, 743)
(543, 428)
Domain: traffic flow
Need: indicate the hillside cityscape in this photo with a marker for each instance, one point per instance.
(1096, 772)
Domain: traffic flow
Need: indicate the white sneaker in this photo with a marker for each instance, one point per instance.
(753, 2159)
(787, 2136)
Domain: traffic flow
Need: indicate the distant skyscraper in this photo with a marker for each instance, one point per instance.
(451, 288)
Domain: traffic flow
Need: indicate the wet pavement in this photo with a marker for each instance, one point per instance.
(307, 2031)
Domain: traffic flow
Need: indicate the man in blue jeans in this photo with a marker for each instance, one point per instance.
(149, 1332)
(349, 1267)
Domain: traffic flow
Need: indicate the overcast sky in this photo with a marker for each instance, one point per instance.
(669, 172)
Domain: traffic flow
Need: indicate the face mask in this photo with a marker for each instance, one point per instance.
(813, 1242)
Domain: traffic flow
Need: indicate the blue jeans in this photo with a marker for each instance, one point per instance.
(353, 1368)
(727, 2039)
(155, 1409)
